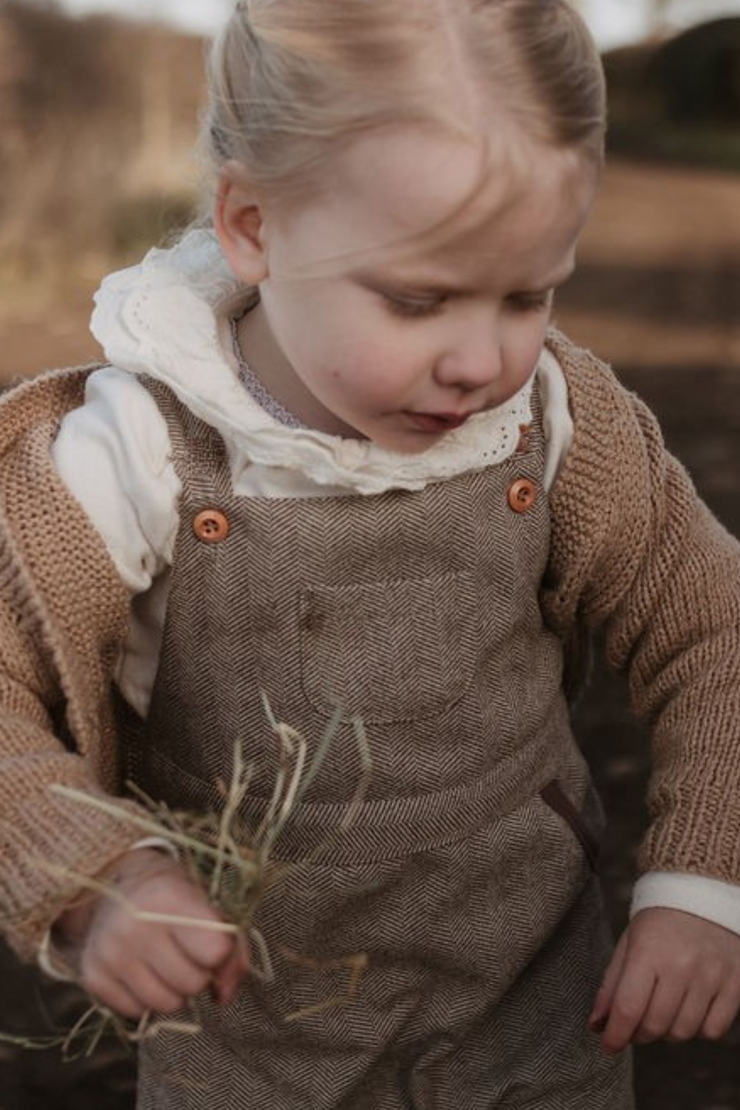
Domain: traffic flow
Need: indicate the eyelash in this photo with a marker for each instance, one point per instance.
(530, 302)
(410, 310)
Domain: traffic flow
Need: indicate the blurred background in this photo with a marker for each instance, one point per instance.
(97, 120)
(99, 105)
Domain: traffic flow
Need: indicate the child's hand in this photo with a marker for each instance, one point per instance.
(133, 965)
(672, 976)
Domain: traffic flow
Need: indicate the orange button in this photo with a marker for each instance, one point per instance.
(522, 495)
(211, 526)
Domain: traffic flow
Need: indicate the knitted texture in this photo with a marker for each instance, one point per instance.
(62, 620)
(633, 549)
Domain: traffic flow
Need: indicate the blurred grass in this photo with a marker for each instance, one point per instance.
(142, 221)
(98, 119)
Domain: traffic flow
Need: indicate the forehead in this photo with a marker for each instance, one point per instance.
(411, 180)
(411, 194)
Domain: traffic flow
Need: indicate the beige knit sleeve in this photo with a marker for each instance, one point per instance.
(62, 617)
(636, 551)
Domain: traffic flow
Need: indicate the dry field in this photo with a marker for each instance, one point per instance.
(658, 294)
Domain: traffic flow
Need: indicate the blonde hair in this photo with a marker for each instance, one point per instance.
(289, 80)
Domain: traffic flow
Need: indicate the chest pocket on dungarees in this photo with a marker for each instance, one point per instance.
(390, 651)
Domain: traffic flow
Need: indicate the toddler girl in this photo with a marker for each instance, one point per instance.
(339, 456)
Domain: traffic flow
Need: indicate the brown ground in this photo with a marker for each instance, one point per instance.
(658, 294)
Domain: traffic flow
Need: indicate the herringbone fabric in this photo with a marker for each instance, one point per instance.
(456, 879)
(631, 547)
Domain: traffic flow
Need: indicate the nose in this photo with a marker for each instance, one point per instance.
(474, 360)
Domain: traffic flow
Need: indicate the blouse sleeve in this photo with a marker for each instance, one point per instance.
(113, 454)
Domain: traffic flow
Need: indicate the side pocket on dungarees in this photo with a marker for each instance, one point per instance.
(557, 800)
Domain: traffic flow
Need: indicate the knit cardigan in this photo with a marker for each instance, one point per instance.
(632, 549)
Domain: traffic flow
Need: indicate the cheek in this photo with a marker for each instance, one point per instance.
(526, 349)
(366, 363)
(338, 339)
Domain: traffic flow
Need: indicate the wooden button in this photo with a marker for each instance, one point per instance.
(522, 495)
(211, 526)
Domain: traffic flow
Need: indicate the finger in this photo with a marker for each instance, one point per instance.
(725, 1002)
(663, 1008)
(630, 1003)
(230, 976)
(710, 1006)
(205, 946)
(150, 992)
(602, 1004)
(177, 970)
(690, 1018)
(114, 994)
(721, 1013)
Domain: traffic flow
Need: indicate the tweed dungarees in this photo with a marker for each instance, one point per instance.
(466, 875)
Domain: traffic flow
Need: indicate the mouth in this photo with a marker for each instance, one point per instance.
(436, 422)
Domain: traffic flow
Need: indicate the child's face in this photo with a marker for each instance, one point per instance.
(416, 290)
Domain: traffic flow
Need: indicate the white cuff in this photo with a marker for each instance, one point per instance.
(156, 842)
(52, 963)
(711, 899)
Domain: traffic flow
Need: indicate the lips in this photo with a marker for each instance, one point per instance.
(437, 422)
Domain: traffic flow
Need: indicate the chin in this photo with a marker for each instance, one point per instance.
(412, 445)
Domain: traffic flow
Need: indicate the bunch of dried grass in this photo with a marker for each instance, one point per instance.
(232, 862)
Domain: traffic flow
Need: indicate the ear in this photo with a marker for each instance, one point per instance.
(238, 221)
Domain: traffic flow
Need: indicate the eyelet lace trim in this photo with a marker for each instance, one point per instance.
(169, 317)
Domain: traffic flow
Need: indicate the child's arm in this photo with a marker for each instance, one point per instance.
(672, 976)
(63, 616)
(133, 964)
(46, 841)
(635, 550)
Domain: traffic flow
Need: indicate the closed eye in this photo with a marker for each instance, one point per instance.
(531, 302)
(412, 307)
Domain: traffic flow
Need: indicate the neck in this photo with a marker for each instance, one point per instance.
(269, 364)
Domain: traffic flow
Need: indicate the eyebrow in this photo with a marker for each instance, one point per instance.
(423, 288)
(378, 282)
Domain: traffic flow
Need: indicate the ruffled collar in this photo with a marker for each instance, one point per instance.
(169, 317)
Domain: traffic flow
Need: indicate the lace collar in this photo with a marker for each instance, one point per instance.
(169, 317)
